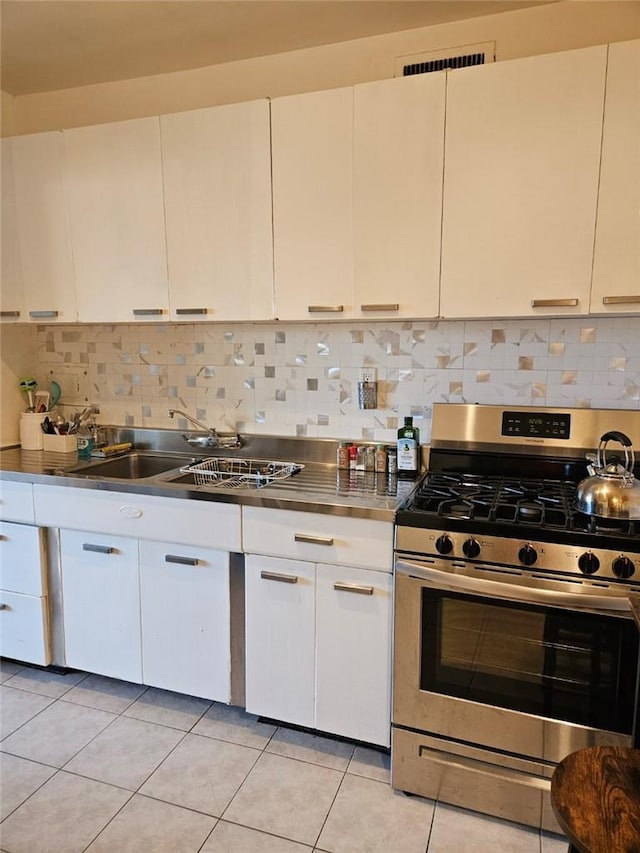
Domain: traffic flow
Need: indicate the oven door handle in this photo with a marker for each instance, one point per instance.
(451, 582)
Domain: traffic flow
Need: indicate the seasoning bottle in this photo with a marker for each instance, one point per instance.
(408, 445)
(353, 456)
(381, 459)
(392, 460)
(370, 458)
(343, 455)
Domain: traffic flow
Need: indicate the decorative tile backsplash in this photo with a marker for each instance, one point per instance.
(302, 379)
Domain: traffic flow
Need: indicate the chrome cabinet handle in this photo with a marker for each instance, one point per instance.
(353, 587)
(192, 310)
(147, 312)
(391, 306)
(620, 300)
(320, 309)
(274, 576)
(183, 561)
(99, 549)
(312, 540)
(553, 303)
(40, 314)
(4, 607)
(9, 313)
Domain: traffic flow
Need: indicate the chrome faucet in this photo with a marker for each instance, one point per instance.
(211, 438)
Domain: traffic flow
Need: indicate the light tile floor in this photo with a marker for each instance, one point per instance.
(89, 763)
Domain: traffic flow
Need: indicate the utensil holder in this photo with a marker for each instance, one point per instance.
(60, 443)
(31, 435)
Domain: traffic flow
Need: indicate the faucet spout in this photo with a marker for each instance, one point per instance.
(195, 422)
(211, 438)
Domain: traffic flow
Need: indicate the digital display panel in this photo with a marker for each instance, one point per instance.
(536, 425)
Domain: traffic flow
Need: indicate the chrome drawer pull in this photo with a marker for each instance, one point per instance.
(273, 576)
(353, 587)
(553, 303)
(183, 561)
(391, 306)
(312, 540)
(192, 310)
(40, 314)
(620, 300)
(9, 313)
(147, 312)
(324, 309)
(99, 549)
(4, 607)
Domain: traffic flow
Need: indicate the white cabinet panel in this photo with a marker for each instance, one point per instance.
(22, 563)
(616, 267)
(43, 228)
(353, 653)
(185, 619)
(397, 195)
(24, 628)
(280, 637)
(101, 594)
(11, 287)
(217, 180)
(318, 538)
(117, 220)
(16, 501)
(312, 137)
(206, 523)
(522, 155)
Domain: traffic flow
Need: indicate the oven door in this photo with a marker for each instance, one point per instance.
(533, 672)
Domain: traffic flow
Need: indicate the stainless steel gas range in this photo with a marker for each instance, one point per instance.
(514, 643)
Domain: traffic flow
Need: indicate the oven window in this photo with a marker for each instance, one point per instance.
(570, 666)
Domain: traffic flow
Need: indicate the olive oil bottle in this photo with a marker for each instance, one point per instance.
(408, 450)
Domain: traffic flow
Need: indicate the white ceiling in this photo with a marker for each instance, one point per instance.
(59, 44)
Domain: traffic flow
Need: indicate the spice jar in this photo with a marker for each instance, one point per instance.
(370, 458)
(353, 456)
(343, 455)
(392, 459)
(381, 459)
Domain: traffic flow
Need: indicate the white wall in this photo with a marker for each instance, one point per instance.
(524, 32)
(19, 360)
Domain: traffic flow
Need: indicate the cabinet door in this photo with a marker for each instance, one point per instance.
(397, 196)
(312, 204)
(280, 637)
(101, 596)
(217, 182)
(522, 156)
(43, 228)
(117, 221)
(616, 267)
(24, 628)
(22, 563)
(11, 287)
(184, 595)
(353, 648)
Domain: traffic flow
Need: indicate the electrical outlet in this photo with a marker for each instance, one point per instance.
(367, 374)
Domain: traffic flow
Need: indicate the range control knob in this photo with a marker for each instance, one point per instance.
(471, 548)
(527, 555)
(444, 545)
(623, 567)
(588, 563)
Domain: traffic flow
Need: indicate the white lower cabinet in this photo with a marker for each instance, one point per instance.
(24, 611)
(318, 646)
(184, 594)
(101, 594)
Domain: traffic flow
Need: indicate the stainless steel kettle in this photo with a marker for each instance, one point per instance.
(611, 490)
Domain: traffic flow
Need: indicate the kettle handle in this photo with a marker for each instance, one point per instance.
(614, 435)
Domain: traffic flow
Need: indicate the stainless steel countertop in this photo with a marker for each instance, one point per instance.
(318, 487)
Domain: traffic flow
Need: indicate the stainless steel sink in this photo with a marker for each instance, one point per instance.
(133, 466)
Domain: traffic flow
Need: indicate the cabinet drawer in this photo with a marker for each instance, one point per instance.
(24, 628)
(318, 538)
(22, 565)
(213, 525)
(16, 501)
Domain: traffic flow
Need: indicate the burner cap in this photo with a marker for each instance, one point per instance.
(530, 511)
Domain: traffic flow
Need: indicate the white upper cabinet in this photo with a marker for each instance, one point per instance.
(43, 228)
(11, 289)
(312, 137)
(217, 181)
(616, 268)
(117, 221)
(522, 156)
(397, 196)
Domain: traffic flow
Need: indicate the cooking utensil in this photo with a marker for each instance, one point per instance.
(42, 401)
(611, 490)
(56, 392)
(29, 386)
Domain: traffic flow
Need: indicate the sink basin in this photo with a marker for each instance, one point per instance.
(133, 466)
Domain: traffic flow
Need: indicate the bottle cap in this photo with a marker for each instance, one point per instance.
(408, 421)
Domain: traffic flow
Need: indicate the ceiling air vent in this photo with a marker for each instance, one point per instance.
(443, 60)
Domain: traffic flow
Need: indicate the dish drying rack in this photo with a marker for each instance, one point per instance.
(239, 473)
